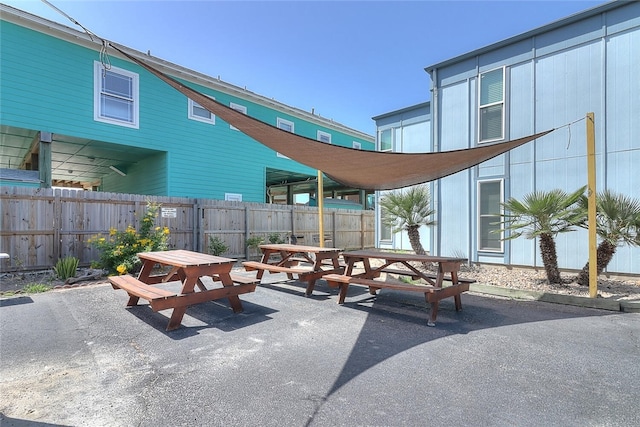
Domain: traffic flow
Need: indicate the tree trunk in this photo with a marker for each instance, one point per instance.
(606, 251)
(550, 258)
(414, 239)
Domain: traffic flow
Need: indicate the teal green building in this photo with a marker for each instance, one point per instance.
(120, 129)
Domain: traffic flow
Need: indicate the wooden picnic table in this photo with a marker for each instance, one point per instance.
(286, 258)
(189, 268)
(434, 291)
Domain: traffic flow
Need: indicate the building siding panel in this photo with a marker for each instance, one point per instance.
(584, 64)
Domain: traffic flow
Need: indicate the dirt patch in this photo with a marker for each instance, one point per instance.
(21, 282)
(530, 279)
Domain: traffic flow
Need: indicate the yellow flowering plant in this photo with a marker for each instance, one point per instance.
(119, 251)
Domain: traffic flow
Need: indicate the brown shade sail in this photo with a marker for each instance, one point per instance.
(369, 170)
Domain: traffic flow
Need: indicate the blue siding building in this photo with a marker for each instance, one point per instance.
(121, 129)
(550, 77)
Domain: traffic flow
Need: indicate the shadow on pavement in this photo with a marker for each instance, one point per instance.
(207, 315)
(15, 422)
(397, 321)
(15, 301)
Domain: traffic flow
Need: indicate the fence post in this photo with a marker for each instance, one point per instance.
(362, 231)
(246, 232)
(57, 218)
(198, 229)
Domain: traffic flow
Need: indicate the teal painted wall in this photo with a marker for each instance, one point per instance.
(12, 183)
(48, 84)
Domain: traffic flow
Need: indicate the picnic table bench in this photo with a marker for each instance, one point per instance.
(432, 293)
(188, 268)
(434, 290)
(320, 261)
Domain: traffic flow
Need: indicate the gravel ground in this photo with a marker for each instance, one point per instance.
(619, 287)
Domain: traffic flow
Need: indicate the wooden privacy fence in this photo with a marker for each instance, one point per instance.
(41, 226)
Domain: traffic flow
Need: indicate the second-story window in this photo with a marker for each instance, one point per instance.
(116, 96)
(491, 108)
(324, 137)
(198, 112)
(386, 140)
(285, 125)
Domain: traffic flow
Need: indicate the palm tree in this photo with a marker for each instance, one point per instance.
(543, 214)
(617, 223)
(408, 209)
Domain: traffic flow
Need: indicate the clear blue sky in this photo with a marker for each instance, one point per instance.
(348, 60)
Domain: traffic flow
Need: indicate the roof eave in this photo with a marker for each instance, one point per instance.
(72, 35)
(536, 31)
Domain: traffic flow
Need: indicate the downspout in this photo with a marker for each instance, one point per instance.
(435, 146)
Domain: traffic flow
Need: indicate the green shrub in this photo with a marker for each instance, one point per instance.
(254, 242)
(217, 246)
(119, 252)
(66, 267)
(275, 238)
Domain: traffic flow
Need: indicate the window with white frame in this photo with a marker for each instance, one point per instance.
(199, 113)
(490, 199)
(491, 106)
(285, 125)
(356, 145)
(237, 107)
(386, 140)
(115, 96)
(324, 137)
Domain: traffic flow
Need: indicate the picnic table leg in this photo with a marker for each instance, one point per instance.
(176, 318)
(433, 313)
(310, 286)
(456, 298)
(133, 300)
(344, 287)
(234, 300)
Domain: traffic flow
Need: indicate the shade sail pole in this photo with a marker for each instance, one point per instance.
(591, 194)
(320, 197)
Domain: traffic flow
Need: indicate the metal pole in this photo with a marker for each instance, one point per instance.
(320, 197)
(591, 194)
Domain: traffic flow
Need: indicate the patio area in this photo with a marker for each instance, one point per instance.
(78, 357)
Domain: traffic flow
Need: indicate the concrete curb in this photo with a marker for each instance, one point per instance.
(599, 303)
(630, 306)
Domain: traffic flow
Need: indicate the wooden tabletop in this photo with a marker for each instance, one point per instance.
(399, 256)
(183, 258)
(296, 248)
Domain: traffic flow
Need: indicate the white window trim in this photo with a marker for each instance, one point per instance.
(191, 104)
(479, 223)
(503, 102)
(357, 145)
(279, 123)
(98, 69)
(321, 134)
(237, 107)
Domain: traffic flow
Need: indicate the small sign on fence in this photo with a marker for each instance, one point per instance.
(169, 212)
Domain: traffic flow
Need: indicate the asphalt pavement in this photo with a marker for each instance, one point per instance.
(79, 357)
